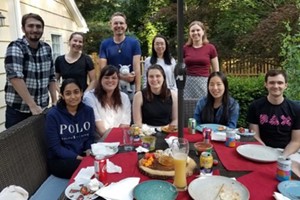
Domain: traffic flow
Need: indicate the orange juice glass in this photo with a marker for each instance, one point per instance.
(180, 149)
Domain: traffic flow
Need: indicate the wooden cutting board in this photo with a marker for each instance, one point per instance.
(158, 171)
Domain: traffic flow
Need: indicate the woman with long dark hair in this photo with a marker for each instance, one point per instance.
(112, 107)
(161, 55)
(70, 127)
(155, 105)
(217, 107)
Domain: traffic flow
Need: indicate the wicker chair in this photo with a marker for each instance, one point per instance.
(23, 155)
(189, 108)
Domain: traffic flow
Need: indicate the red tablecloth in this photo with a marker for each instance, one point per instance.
(128, 162)
(261, 184)
(197, 137)
(232, 161)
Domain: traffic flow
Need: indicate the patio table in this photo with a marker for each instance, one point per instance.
(260, 181)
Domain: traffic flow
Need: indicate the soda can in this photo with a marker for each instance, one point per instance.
(206, 162)
(284, 166)
(192, 126)
(230, 138)
(100, 169)
(207, 134)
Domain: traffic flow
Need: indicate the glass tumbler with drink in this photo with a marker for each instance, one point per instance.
(180, 150)
(127, 140)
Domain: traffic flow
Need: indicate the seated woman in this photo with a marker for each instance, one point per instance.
(70, 127)
(112, 107)
(217, 107)
(155, 105)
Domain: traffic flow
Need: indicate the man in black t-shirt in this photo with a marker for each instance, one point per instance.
(274, 118)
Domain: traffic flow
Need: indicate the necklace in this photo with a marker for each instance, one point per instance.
(119, 46)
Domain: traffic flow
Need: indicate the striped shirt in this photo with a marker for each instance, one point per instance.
(35, 67)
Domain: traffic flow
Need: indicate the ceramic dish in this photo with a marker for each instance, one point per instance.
(155, 189)
(219, 187)
(258, 153)
(290, 189)
(246, 133)
(214, 127)
(73, 192)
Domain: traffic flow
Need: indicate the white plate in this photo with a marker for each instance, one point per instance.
(73, 192)
(214, 127)
(258, 152)
(198, 188)
(246, 133)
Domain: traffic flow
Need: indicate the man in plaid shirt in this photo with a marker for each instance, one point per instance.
(30, 73)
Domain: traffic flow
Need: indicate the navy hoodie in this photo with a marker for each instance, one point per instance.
(68, 136)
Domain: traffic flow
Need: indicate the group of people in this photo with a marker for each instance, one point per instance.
(85, 112)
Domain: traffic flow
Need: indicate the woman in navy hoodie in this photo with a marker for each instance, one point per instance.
(70, 127)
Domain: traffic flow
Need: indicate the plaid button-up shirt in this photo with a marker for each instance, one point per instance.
(34, 66)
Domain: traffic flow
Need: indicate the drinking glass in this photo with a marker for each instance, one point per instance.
(180, 150)
(127, 140)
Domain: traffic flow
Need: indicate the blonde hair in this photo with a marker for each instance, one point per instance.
(204, 38)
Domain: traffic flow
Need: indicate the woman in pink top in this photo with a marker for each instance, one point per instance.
(199, 56)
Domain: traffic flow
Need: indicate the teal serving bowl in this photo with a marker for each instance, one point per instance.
(155, 189)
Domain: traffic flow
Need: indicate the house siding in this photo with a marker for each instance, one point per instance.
(59, 17)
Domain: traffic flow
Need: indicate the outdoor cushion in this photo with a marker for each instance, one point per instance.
(50, 189)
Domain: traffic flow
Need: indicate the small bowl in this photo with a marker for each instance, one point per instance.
(202, 146)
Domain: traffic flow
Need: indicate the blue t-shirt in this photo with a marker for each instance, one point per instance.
(120, 54)
(66, 135)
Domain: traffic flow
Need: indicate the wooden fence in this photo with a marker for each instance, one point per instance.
(247, 66)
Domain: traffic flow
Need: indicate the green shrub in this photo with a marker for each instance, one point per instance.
(245, 90)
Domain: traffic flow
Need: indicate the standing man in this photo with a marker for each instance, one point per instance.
(274, 118)
(30, 73)
(122, 50)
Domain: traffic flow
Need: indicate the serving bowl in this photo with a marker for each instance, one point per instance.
(202, 146)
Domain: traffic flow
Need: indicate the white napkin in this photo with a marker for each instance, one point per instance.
(221, 136)
(141, 149)
(85, 174)
(170, 139)
(112, 168)
(105, 148)
(14, 192)
(147, 130)
(121, 190)
(279, 196)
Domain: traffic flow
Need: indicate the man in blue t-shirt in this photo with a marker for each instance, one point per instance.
(122, 50)
(274, 118)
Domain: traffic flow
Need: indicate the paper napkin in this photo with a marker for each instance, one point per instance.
(105, 148)
(279, 196)
(141, 149)
(112, 168)
(85, 174)
(170, 140)
(121, 190)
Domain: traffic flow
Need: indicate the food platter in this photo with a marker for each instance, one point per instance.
(245, 133)
(214, 127)
(168, 129)
(258, 153)
(73, 192)
(160, 172)
(155, 189)
(290, 189)
(219, 187)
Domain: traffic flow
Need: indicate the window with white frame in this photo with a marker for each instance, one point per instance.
(56, 46)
